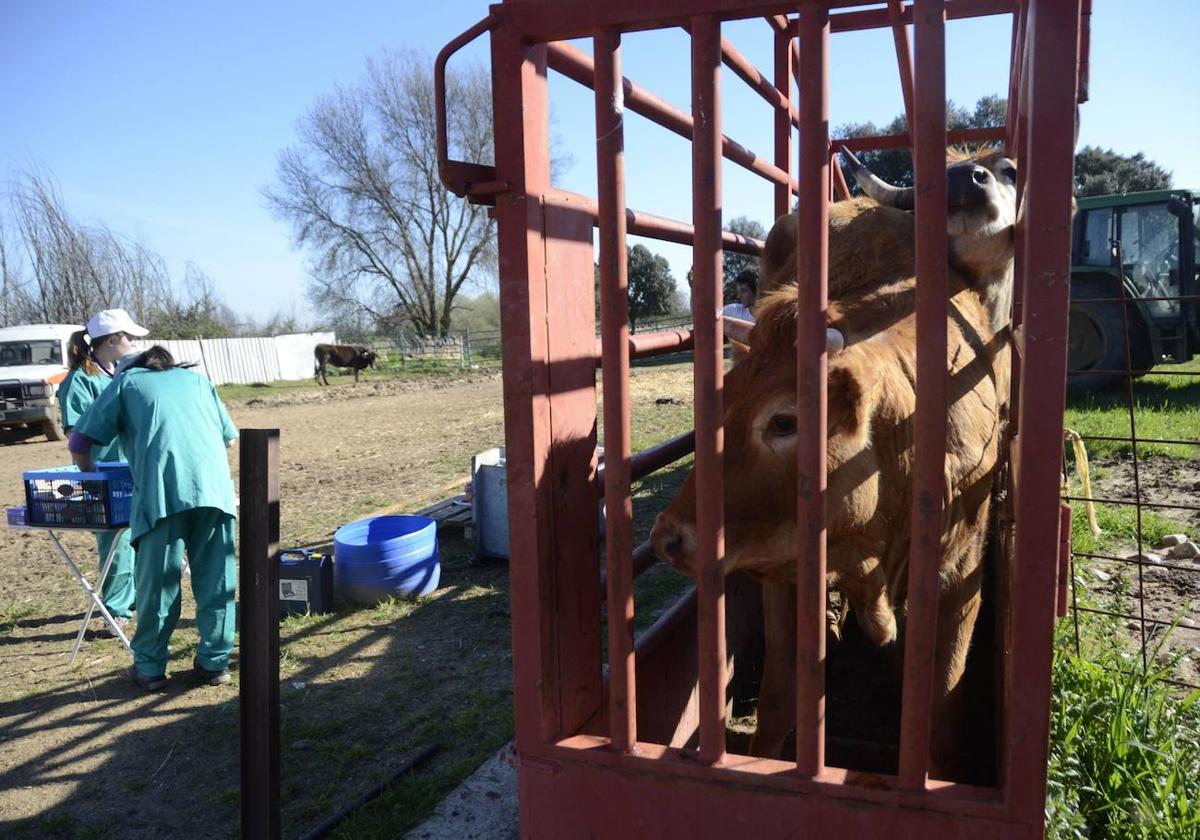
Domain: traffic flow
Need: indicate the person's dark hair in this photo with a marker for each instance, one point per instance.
(79, 352)
(158, 358)
(747, 277)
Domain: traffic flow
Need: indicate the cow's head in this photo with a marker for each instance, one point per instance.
(760, 450)
(370, 357)
(981, 189)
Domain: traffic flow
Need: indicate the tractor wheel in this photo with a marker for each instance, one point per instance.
(1096, 339)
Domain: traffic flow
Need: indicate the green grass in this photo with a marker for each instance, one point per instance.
(413, 370)
(1167, 407)
(1124, 751)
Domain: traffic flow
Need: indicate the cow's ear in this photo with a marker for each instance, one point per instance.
(850, 400)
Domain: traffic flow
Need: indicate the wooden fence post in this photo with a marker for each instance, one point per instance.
(258, 587)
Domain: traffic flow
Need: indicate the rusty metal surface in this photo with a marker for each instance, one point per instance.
(707, 261)
(812, 278)
(614, 309)
(929, 434)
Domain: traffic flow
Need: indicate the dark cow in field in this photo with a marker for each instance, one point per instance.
(343, 356)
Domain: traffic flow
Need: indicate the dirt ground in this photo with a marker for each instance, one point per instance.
(1162, 589)
(83, 753)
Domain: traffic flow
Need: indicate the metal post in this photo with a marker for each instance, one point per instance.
(783, 120)
(812, 271)
(614, 310)
(929, 438)
(258, 587)
(710, 439)
(1052, 41)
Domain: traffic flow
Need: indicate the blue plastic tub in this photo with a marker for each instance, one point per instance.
(386, 556)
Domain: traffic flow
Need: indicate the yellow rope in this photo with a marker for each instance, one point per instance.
(1085, 478)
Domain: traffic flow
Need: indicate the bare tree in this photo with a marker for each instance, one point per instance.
(56, 269)
(362, 194)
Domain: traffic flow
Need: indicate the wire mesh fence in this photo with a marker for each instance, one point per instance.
(1134, 399)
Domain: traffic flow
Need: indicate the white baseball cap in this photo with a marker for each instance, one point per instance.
(113, 321)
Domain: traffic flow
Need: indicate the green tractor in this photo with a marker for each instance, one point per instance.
(1157, 232)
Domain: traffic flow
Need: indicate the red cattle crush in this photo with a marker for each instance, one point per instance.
(643, 749)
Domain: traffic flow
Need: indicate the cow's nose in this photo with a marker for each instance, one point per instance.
(967, 185)
(980, 175)
(667, 539)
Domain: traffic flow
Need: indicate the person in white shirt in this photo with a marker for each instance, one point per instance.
(746, 283)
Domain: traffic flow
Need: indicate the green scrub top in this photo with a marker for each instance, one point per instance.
(75, 396)
(174, 431)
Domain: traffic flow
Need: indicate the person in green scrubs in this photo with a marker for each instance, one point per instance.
(92, 356)
(174, 431)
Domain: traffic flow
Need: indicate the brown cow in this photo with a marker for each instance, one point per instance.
(871, 400)
(343, 356)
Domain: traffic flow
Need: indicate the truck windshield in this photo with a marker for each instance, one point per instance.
(1150, 248)
(13, 353)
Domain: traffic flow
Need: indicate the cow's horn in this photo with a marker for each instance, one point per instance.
(738, 330)
(876, 188)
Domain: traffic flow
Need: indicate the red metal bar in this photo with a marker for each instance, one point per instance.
(710, 445)
(577, 65)
(448, 177)
(745, 70)
(655, 227)
(643, 559)
(783, 120)
(1016, 63)
(522, 153)
(645, 345)
(900, 141)
(614, 310)
(839, 176)
(903, 57)
(1085, 49)
(928, 489)
(955, 10)
(812, 277)
(1052, 41)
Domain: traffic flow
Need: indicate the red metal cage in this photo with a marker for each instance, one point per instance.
(641, 750)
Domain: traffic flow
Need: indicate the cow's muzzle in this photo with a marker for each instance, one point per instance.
(674, 543)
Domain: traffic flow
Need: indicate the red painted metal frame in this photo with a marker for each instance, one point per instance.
(572, 778)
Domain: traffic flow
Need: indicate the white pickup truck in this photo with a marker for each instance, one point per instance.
(33, 362)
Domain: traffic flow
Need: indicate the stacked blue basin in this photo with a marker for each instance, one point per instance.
(386, 556)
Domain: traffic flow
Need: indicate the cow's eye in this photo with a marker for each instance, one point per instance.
(782, 425)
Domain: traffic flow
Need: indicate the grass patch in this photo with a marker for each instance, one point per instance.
(1166, 406)
(1124, 752)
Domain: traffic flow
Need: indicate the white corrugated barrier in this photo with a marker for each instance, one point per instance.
(244, 361)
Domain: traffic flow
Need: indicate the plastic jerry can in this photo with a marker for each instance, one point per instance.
(305, 582)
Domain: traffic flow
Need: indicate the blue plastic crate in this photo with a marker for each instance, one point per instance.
(64, 497)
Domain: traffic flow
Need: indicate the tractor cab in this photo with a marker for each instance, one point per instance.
(1157, 234)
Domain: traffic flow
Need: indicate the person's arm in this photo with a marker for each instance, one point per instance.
(80, 447)
(229, 432)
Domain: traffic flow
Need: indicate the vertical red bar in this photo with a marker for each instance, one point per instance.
(522, 158)
(783, 124)
(812, 270)
(903, 58)
(1052, 40)
(614, 314)
(928, 490)
(709, 376)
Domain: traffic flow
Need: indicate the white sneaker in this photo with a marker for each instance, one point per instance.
(123, 623)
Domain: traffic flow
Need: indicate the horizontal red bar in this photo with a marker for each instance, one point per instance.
(902, 141)
(655, 227)
(879, 18)
(577, 65)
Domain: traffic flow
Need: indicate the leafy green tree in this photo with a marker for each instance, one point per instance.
(1103, 172)
(652, 292)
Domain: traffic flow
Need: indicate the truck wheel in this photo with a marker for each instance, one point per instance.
(1096, 339)
(52, 430)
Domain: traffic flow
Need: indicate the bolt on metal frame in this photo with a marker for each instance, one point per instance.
(583, 778)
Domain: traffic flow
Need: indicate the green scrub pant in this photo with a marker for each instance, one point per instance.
(206, 535)
(117, 592)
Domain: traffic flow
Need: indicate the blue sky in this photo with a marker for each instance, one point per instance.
(164, 119)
